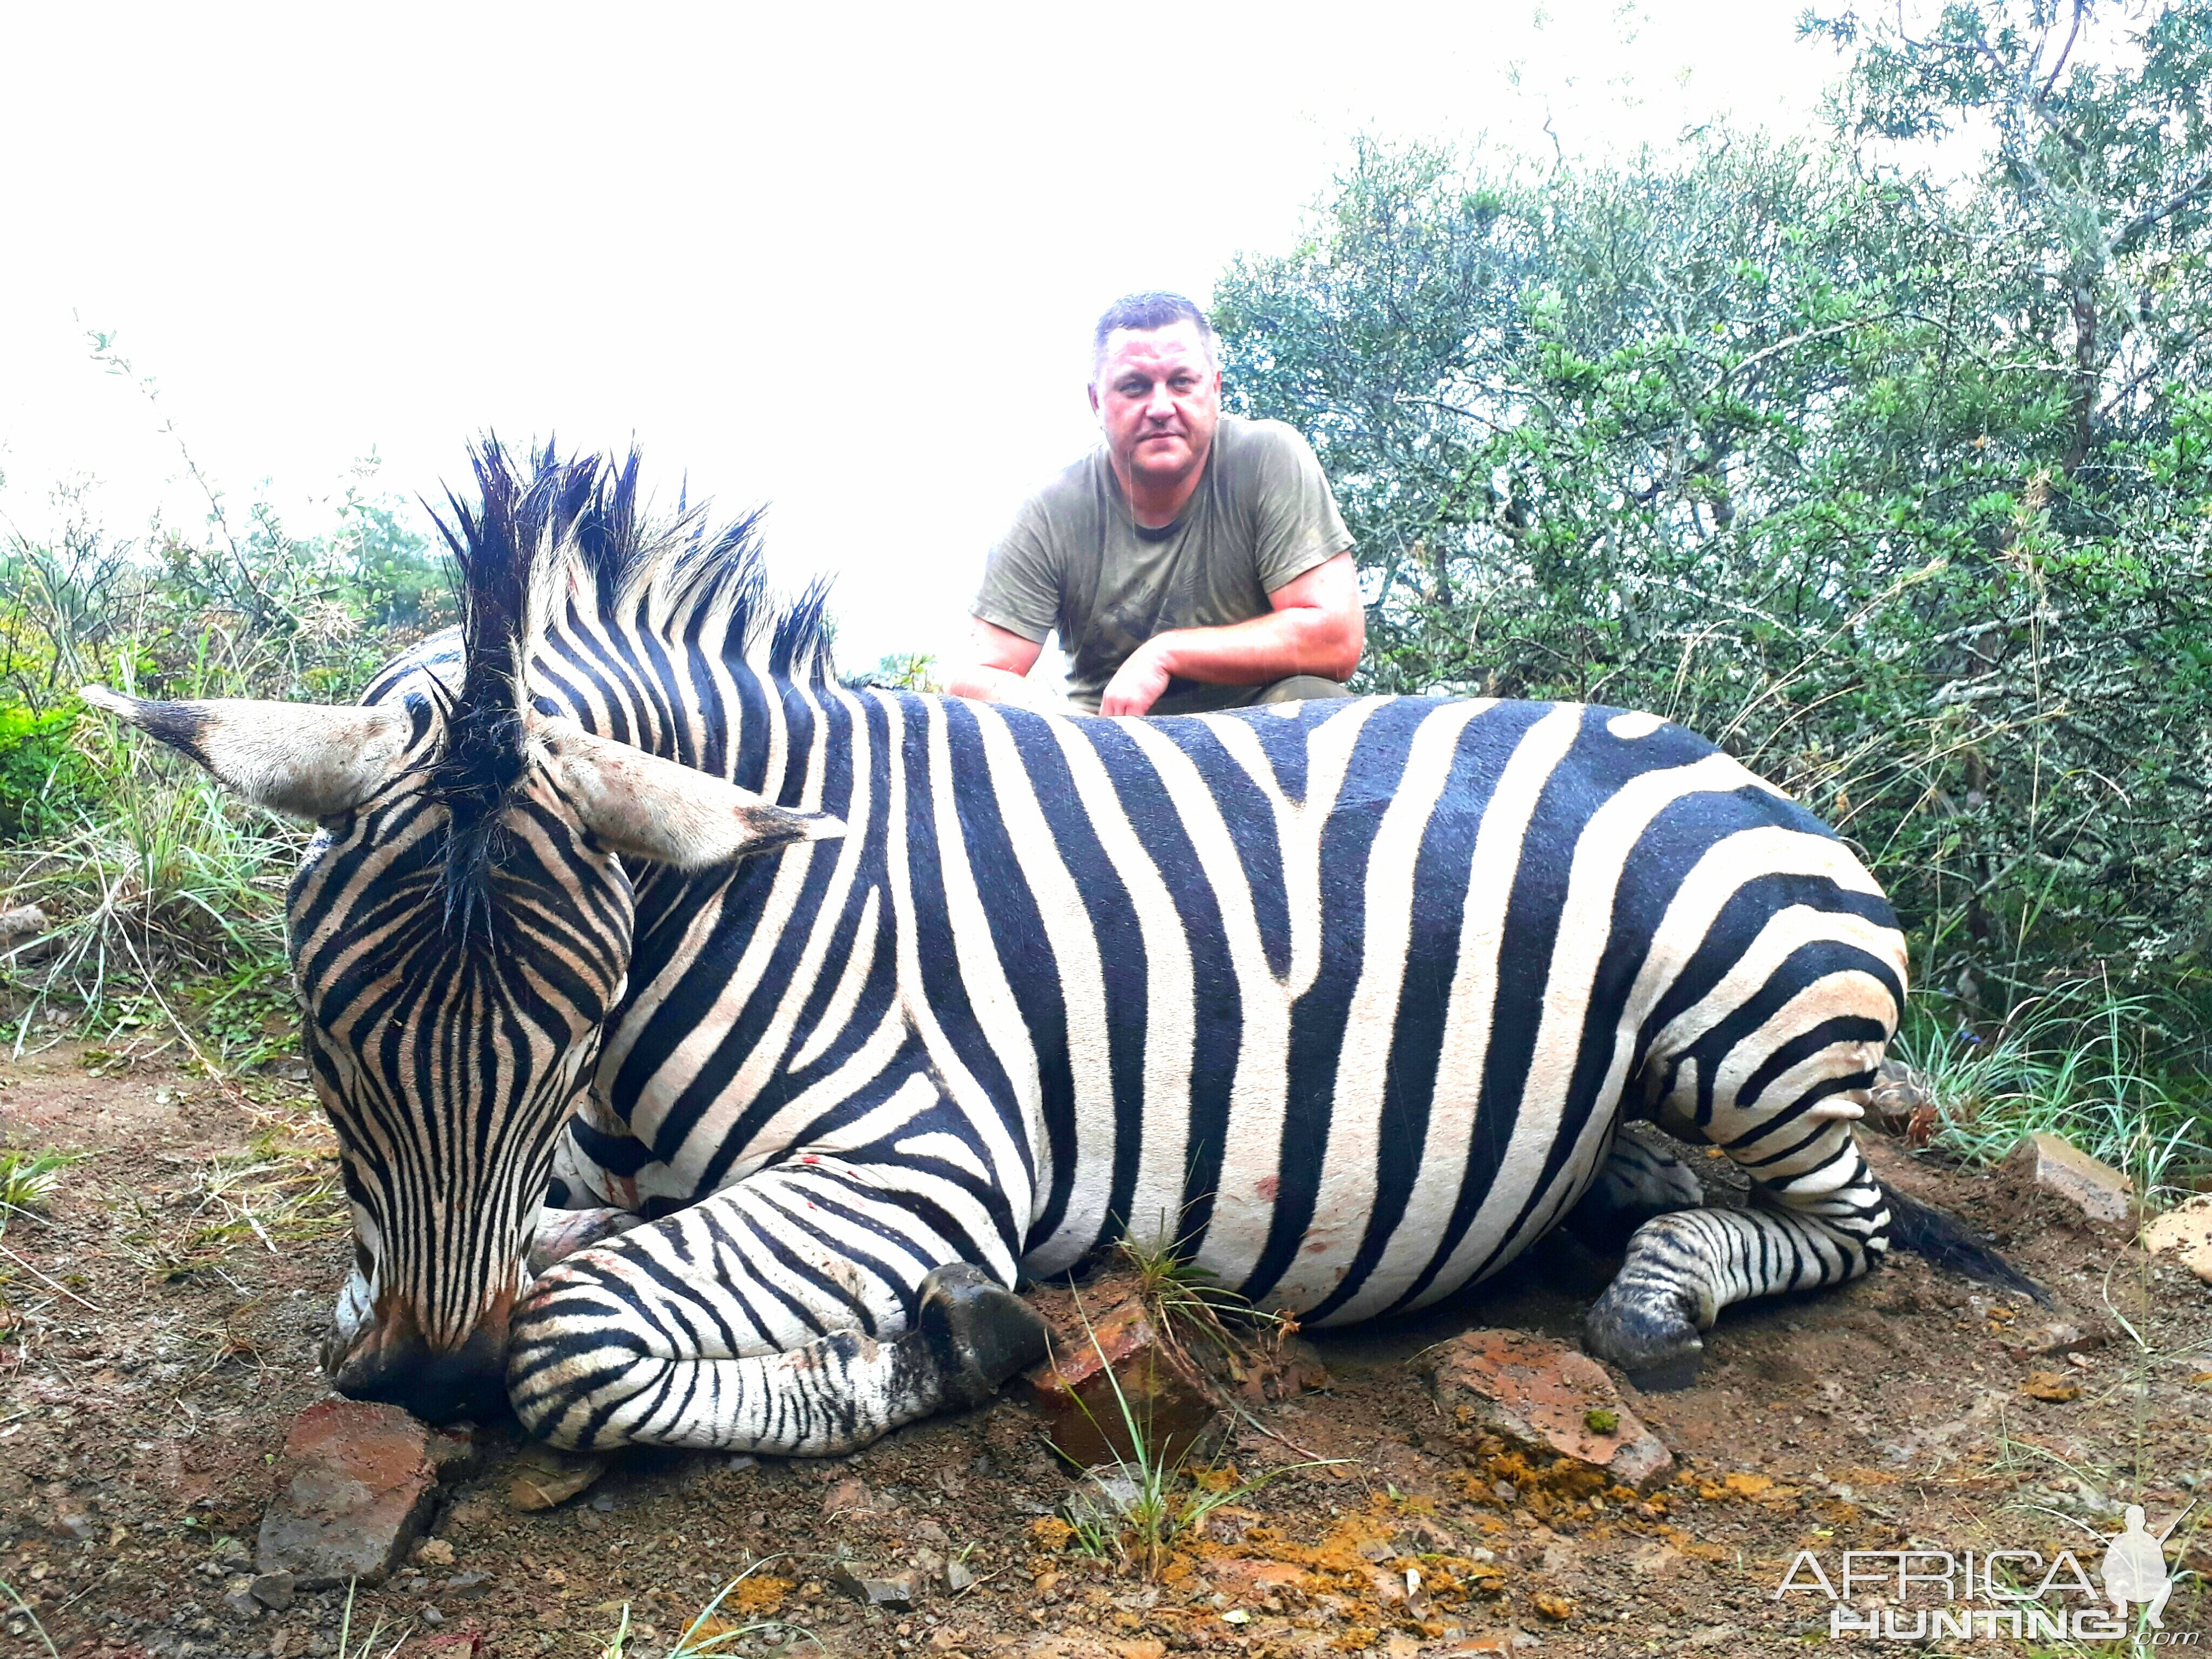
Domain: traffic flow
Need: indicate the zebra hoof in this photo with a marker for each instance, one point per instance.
(978, 1332)
(1656, 1346)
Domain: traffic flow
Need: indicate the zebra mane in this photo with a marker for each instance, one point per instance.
(542, 531)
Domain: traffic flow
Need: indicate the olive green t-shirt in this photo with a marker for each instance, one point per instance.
(1076, 558)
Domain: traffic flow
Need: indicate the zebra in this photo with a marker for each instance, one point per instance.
(714, 1048)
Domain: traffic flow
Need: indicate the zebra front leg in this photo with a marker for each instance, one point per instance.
(804, 1311)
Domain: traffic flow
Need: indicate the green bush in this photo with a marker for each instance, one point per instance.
(1901, 493)
(44, 777)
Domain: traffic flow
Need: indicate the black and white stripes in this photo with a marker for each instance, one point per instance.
(1347, 1000)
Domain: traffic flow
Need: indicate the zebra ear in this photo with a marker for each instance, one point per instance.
(309, 760)
(649, 808)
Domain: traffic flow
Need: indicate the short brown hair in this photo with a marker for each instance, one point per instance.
(1154, 307)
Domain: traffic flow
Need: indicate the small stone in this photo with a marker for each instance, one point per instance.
(1093, 1382)
(453, 1452)
(1542, 1396)
(432, 1617)
(73, 1527)
(1715, 1636)
(2187, 1233)
(604, 1504)
(274, 1591)
(894, 1593)
(431, 1552)
(2053, 1164)
(2054, 1386)
(241, 1604)
(1100, 1498)
(354, 1486)
(742, 1461)
(1900, 1103)
(957, 1576)
(544, 1476)
(1249, 1580)
(1429, 1537)
(2051, 1339)
(233, 1556)
(850, 1496)
(1553, 1605)
(469, 1586)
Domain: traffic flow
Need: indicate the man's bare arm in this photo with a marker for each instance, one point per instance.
(997, 667)
(1318, 627)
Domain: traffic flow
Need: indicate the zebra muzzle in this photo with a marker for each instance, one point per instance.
(393, 1362)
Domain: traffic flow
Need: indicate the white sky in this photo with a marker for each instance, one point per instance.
(840, 259)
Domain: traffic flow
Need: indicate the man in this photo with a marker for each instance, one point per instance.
(1194, 561)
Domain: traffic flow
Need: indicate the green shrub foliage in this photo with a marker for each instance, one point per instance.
(1900, 492)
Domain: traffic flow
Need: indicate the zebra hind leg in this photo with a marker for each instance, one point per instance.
(1819, 1216)
(1637, 1181)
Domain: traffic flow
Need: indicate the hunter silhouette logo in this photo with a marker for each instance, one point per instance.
(1990, 1594)
(2135, 1565)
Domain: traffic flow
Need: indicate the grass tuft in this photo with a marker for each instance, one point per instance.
(2077, 1063)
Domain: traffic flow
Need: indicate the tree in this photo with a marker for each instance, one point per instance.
(1795, 447)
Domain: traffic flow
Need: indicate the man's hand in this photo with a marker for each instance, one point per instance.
(1138, 683)
(1315, 626)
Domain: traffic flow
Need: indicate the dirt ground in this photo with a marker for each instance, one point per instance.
(159, 1322)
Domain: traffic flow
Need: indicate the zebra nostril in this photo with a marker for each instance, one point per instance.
(467, 1382)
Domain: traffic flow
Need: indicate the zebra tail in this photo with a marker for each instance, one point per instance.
(1946, 1244)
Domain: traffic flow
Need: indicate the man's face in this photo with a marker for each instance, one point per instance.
(1158, 397)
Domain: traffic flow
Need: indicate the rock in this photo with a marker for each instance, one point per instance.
(241, 1604)
(22, 934)
(2053, 1164)
(1900, 1103)
(432, 1552)
(1101, 1498)
(1553, 1605)
(453, 1452)
(1172, 1405)
(233, 1556)
(1250, 1580)
(1541, 1396)
(1716, 1636)
(2054, 1386)
(2185, 1232)
(354, 1486)
(2049, 1340)
(545, 1476)
(432, 1617)
(73, 1527)
(469, 1586)
(850, 1496)
(273, 1590)
(957, 1577)
(894, 1593)
(1428, 1537)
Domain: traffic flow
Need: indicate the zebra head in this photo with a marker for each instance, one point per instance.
(460, 932)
